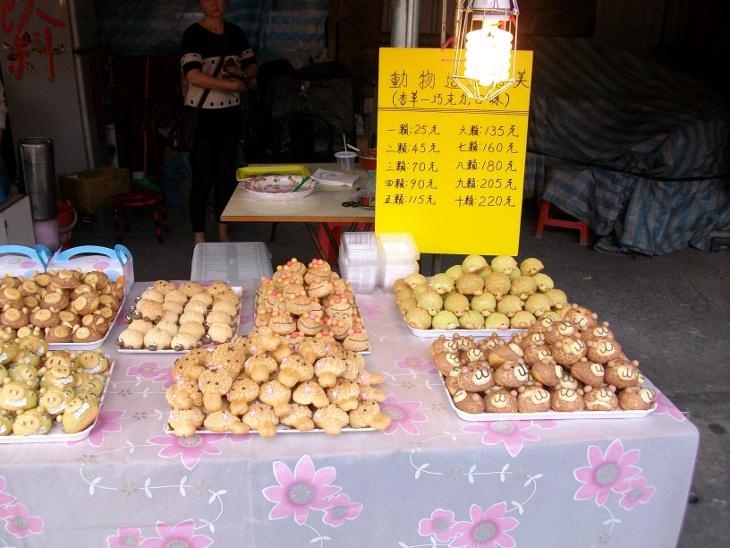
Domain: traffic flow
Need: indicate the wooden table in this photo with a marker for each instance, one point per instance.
(323, 207)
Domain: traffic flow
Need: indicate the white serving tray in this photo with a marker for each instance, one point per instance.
(238, 290)
(435, 333)
(277, 187)
(92, 345)
(56, 433)
(547, 415)
(279, 430)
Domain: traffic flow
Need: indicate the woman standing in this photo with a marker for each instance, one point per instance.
(218, 64)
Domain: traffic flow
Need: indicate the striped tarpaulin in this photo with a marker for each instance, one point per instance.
(638, 152)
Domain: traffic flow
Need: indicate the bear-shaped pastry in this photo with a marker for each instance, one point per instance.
(602, 398)
(214, 384)
(538, 354)
(622, 373)
(331, 419)
(511, 374)
(80, 413)
(185, 422)
(533, 399)
(505, 353)
(569, 350)
(567, 400)
(581, 317)
(448, 364)
(589, 373)
(369, 415)
(635, 398)
(547, 373)
(603, 350)
(261, 417)
(559, 330)
(469, 402)
(501, 400)
(310, 393)
(476, 378)
(357, 340)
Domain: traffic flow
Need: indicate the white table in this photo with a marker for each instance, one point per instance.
(324, 206)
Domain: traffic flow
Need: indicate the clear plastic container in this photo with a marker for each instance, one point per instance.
(363, 278)
(397, 248)
(359, 248)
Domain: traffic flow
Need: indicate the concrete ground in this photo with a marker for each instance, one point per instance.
(672, 313)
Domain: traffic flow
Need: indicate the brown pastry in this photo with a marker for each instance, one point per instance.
(501, 400)
(14, 318)
(42, 317)
(533, 399)
(59, 333)
(66, 279)
(636, 399)
(567, 400)
(602, 398)
(10, 296)
(55, 300)
(96, 279)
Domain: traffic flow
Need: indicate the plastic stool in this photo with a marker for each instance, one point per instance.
(134, 200)
(544, 219)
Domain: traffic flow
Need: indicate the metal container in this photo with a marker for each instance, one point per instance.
(37, 168)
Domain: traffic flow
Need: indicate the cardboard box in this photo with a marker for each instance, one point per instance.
(94, 190)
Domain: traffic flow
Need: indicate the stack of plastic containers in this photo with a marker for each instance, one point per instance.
(397, 258)
(359, 260)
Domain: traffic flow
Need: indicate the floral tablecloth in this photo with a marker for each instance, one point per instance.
(431, 480)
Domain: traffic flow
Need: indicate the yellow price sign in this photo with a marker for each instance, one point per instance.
(450, 169)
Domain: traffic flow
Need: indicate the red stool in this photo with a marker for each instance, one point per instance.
(544, 219)
(137, 199)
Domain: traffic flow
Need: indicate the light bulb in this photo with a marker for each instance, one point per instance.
(488, 55)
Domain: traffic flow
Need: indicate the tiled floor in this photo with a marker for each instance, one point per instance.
(672, 313)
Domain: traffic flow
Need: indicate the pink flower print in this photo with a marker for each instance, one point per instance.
(415, 363)
(342, 509)
(403, 414)
(148, 370)
(512, 434)
(105, 424)
(28, 263)
(5, 498)
(101, 265)
(181, 535)
(125, 538)
(606, 472)
(664, 406)
(440, 525)
(301, 491)
(638, 492)
(189, 449)
(487, 528)
(19, 523)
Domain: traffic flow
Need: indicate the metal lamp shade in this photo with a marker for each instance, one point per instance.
(472, 18)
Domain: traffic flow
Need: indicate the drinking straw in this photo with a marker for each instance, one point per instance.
(304, 180)
(344, 142)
